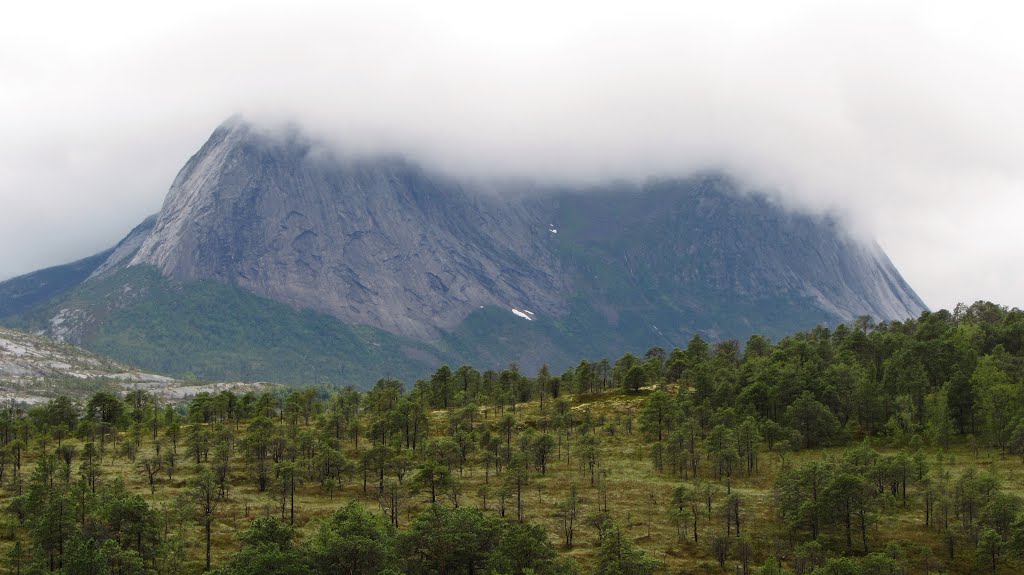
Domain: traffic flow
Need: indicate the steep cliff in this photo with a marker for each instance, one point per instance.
(377, 242)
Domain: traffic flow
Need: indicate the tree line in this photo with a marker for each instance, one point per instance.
(443, 470)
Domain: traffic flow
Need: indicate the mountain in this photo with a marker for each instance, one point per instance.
(22, 293)
(275, 257)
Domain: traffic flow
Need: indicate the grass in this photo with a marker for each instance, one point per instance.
(638, 499)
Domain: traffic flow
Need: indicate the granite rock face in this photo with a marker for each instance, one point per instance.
(385, 243)
(377, 242)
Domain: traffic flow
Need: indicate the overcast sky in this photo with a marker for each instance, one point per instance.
(904, 118)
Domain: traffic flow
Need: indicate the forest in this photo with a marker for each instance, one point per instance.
(875, 449)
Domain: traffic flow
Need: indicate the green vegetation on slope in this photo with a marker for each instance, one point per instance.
(223, 333)
(884, 449)
(220, 332)
(21, 294)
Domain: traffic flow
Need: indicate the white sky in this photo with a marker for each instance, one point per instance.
(905, 118)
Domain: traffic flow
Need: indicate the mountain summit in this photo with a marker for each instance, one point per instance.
(377, 242)
(410, 267)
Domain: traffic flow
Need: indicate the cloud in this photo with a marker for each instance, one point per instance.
(901, 117)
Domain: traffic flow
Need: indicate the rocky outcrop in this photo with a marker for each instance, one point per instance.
(35, 369)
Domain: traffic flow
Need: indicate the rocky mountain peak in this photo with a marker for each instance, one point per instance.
(383, 242)
(374, 241)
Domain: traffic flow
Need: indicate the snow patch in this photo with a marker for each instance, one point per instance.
(525, 315)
